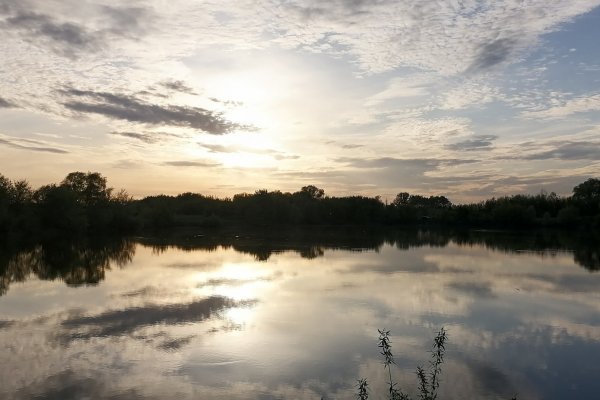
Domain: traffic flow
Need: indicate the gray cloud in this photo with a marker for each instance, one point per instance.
(390, 162)
(583, 150)
(226, 102)
(70, 384)
(132, 109)
(5, 324)
(5, 103)
(16, 145)
(479, 142)
(128, 164)
(489, 377)
(493, 53)
(191, 164)
(126, 19)
(177, 86)
(146, 137)
(119, 322)
(175, 344)
(475, 289)
(68, 36)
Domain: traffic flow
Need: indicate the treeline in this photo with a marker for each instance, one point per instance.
(83, 202)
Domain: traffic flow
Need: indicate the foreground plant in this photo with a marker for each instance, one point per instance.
(429, 382)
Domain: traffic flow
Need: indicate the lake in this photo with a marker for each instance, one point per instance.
(294, 314)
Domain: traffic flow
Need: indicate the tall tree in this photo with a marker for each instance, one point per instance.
(89, 187)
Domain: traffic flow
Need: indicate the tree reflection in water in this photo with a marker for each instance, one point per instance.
(75, 262)
(85, 262)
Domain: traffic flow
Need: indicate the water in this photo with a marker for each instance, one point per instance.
(295, 315)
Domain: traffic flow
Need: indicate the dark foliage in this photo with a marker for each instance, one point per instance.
(83, 203)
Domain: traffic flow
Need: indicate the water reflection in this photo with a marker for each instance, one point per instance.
(584, 246)
(86, 262)
(75, 263)
(293, 315)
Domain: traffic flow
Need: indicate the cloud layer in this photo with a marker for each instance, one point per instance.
(316, 82)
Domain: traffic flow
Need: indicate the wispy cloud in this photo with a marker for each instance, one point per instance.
(5, 103)
(278, 155)
(571, 150)
(478, 142)
(67, 34)
(567, 107)
(146, 137)
(65, 37)
(493, 53)
(133, 109)
(177, 86)
(192, 163)
(31, 145)
(387, 162)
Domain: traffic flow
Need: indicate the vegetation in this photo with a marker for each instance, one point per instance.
(428, 381)
(83, 202)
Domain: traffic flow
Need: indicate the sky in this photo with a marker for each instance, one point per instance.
(468, 99)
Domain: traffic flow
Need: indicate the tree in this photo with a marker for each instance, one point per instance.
(60, 208)
(586, 196)
(89, 187)
(401, 199)
(313, 192)
(587, 191)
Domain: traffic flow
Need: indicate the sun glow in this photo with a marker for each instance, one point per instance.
(240, 315)
(238, 282)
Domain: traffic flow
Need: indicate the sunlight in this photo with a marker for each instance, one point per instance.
(240, 315)
(238, 282)
(247, 97)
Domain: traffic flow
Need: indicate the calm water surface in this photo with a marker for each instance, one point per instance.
(294, 315)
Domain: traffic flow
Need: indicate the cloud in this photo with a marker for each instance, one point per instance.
(84, 27)
(38, 145)
(474, 289)
(567, 107)
(575, 150)
(469, 93)
(5, 103)
(278, 155)
(119, 322)
(177, 86)
(479, 142)
(448, 38)
(391, 162)
(126, 19)
(68, 36)
(146, 137)
(492, 54)
(132, 109)
(405, 87)
(191, 163)
(175, 344)
(5, 324)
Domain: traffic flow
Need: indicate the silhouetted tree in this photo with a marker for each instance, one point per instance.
(312, 192)
(90, 188)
